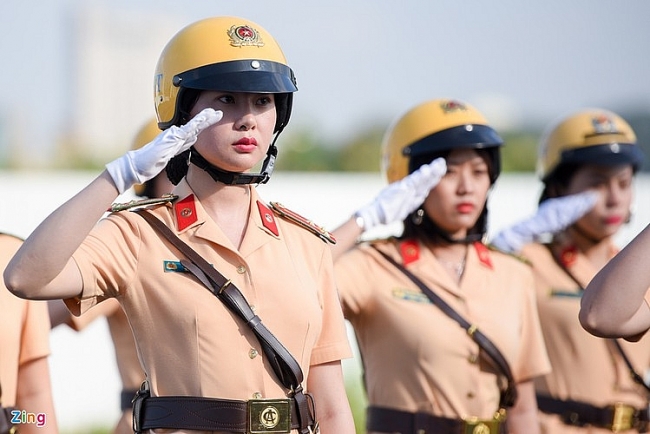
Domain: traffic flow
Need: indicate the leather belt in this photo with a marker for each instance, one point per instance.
(615, 417)
(212, 414)
(389, 420)
(126, 399)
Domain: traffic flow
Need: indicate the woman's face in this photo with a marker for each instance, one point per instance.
(242, 137)
(615, 185)
(456, 203)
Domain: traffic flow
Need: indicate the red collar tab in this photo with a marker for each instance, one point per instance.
(267, 218)
(410, 251)
(568, 256)
(483, 254)
(185, 211)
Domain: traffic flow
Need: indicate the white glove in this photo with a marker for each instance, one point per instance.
(140, 165)
(399, 199)
(552, 216)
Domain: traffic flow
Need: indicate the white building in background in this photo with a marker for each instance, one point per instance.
(113, 53)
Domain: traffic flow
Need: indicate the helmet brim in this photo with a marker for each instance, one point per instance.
(611, 154)
(469, 136)
(253, 76)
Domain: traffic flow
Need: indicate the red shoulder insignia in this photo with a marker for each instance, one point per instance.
(301, 221)
(185, 211)
(267, 218)
(410, 251)
(483, 254)
(568, 256)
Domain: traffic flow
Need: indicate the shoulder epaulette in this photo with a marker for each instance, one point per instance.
(517, 256)
(116, 207)
(296, 218)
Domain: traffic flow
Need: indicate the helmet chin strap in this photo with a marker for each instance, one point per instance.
(237, 178)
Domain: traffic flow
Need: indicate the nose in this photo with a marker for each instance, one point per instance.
(246, 119)
(614, 194)
(465, 182)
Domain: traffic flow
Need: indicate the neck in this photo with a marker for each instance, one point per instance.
(213, 194)
(599, 252)
(449, 252)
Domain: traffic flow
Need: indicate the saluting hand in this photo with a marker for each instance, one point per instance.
(141, 165)
(400, 198)
(553, 216)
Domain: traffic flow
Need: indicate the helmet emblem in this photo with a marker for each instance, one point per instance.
(243, 36)
(452, 106)
(603, 124)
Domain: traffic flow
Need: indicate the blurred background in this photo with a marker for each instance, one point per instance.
(78, 84)
(78, 75)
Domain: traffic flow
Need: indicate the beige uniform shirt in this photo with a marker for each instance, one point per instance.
(126, 356)
(188, 341)
(584, 367)
(415, 357)
(24, 329)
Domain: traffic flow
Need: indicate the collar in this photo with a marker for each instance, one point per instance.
(189, 212)
(410, 252)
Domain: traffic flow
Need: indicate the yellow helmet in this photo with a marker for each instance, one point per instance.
(432, 127)
(146, 134)
(588, 136)
(221, 53)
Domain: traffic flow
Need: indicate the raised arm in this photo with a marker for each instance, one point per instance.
(552, 216)
(393, 203)
(43, 267)
(613, 304)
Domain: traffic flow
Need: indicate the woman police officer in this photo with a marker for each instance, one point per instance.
(587, 163)
(424, 372)
(222, 90)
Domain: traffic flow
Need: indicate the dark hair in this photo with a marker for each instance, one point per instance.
(558, 180)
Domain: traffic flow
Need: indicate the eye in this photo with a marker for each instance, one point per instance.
(265, 100)
(625, 183)
(226, 99)
(480, 169)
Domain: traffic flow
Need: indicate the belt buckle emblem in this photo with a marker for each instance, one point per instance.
(474, 425)
(269, 416)
(623, 417)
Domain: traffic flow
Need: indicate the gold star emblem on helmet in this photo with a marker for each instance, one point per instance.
(242, 36)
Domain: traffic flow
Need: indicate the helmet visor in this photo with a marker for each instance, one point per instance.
(611, 154)
(253, 76)
(463, 136)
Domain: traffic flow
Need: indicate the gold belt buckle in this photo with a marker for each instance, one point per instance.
(624, 417)
(269, 416)
(474, 425)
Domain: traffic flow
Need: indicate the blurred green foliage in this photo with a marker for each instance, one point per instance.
(302, 149)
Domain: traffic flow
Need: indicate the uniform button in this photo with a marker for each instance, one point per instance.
(257, 395)
(473, 358)
(253, 307)
(241, 269)
(470, 395)
(252, 353)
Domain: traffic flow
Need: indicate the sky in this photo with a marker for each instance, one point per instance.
(362, 62)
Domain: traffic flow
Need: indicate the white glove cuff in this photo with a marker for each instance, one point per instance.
(122, 172)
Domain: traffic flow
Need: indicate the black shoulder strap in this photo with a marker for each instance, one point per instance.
(284, 365)
(509, 392)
